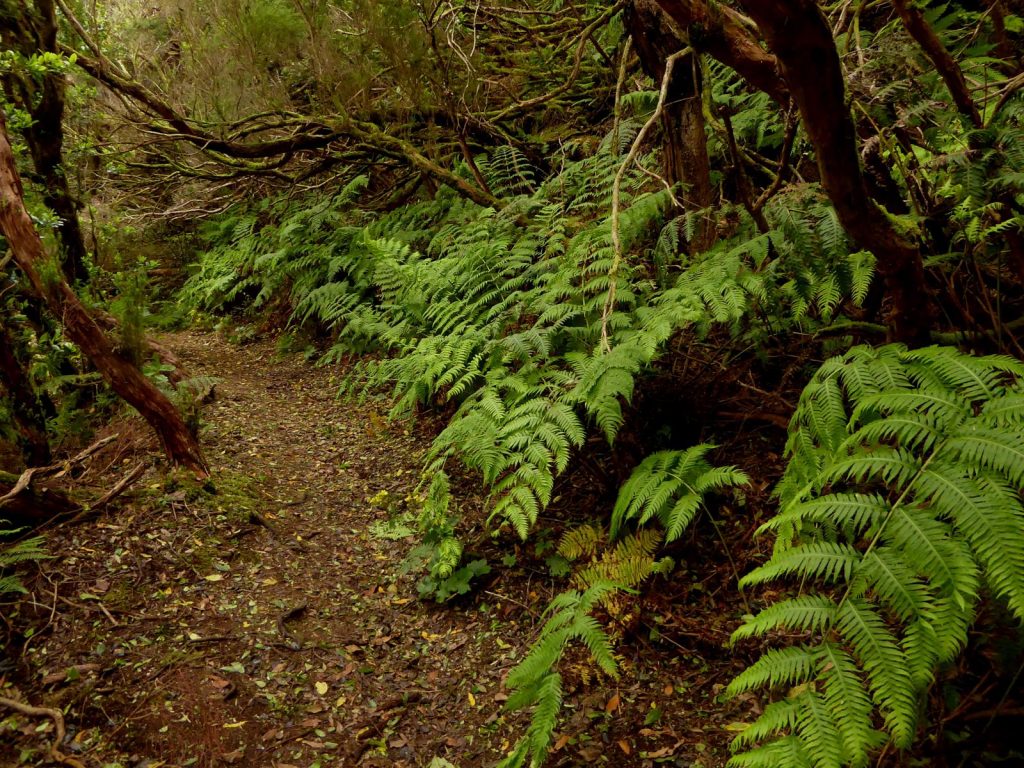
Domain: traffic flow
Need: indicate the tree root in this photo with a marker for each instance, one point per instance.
(58, 722)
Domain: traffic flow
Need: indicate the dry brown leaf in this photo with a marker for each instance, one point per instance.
(612, 705)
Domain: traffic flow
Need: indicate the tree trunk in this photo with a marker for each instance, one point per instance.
(80, 327)
(28, 416)
(685, 148)
(799, 35)
(33, 31)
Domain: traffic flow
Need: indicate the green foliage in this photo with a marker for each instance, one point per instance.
(536, 683)
(900, 507)
(499, 313)
(11, 555)
(671, 486)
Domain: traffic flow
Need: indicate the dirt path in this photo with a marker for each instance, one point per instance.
(262, 624)
(263, 620)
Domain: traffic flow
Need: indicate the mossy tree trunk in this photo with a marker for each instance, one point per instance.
(685, 146)
(29, 30)
(29, 420)
(80, 327)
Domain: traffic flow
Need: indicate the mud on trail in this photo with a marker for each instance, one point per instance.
(264, 620)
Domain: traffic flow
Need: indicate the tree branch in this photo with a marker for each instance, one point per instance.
(799, 35)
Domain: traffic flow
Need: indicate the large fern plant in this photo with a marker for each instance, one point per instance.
(900, 507)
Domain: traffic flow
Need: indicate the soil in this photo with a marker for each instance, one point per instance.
(264, 618)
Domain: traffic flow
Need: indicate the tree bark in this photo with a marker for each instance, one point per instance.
(30, 31)
(724, 34)
(29, 421)
(799, 35)
(80, 327)
(685, 147)
(919, 29)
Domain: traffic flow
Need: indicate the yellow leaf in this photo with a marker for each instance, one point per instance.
(472, 699)
(321, 688)
(239, 724)
(214, 577)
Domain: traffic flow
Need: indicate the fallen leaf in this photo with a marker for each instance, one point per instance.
(214, 577)
(612, 705)
(624, 746)
(561, 742)
(592, 753)
(664, 752)
(321, 687)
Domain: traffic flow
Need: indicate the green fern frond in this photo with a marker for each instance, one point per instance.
(671, 485)
(911, 516)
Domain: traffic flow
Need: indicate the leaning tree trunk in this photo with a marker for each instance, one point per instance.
(31, 31)
(799, 35)
(80, 327)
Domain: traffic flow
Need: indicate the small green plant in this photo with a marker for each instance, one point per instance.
(440, 551)
(13, 554)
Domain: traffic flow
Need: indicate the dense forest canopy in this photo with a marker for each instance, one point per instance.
(645, 277)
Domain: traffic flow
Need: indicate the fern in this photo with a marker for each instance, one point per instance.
(534, 682)
(671, 486)
(14, 554)
(902, 492)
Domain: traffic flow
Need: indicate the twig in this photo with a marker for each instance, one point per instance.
(120, 488)
(609, 304)
(626, 50)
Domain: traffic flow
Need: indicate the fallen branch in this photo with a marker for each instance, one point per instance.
(122, 485)
(58, 722)
(62, 676)
(60, 468)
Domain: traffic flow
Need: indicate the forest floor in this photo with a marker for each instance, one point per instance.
(264, 620)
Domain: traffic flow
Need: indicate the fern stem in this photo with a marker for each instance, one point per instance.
(732, 562)
(888, 517)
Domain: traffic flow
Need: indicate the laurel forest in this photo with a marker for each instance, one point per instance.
(520, 383)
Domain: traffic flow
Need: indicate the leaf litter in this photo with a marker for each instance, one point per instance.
(265, 620)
